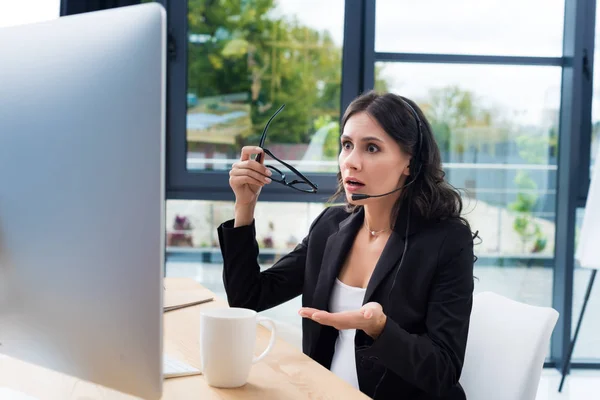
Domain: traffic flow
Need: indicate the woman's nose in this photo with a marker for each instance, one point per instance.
(351, 160)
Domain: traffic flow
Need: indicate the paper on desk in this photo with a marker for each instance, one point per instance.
(174, 368)
(175, 299)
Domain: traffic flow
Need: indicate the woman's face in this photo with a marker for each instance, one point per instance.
(371, 161)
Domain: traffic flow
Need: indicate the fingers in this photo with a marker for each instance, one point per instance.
(307, 312)
(237, 181)
(247, 171)
(252, 165)
(340, 320)
(367, 318)
(248, 175)
(248, 151)
(370, 309)
(247, 162)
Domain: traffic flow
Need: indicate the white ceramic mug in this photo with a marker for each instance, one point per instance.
(227, 341)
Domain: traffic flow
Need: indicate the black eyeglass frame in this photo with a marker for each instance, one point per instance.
(283, 180)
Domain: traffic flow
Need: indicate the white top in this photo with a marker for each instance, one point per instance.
(345, 298)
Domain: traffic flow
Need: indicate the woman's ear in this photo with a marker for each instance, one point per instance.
(406, 170)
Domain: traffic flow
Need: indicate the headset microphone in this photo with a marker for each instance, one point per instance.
(361, 196)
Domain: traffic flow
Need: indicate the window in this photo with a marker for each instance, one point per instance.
(28, 11)
(192, 224)
(499, 27)
(193, 248)
(246, 59)
(496, 127)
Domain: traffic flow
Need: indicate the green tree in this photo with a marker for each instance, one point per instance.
(595, 139)
(596, 130)
(524, 224)
(331, 146)
(533, 149)
(452, 106)
(240, 47)
(381, 81)
(459, 123)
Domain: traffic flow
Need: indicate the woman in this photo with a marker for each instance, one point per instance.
(386, 282)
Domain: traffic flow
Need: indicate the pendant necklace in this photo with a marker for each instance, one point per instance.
(372, 232)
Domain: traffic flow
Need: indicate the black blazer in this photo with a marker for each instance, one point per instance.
(420, 352)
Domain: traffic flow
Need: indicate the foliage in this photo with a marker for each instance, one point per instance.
(331, 147)
(246, 50)
(459, 123)
(381, 82)
(242, 47)
(524, 224)
(596, 130)
(532, 149)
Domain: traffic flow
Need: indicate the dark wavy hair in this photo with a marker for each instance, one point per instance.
(430, 195)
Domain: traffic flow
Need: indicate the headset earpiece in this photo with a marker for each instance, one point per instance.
(413, 167)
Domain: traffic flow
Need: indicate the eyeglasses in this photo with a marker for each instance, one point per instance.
(303, 184)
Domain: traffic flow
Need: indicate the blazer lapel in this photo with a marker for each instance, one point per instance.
(336, 251)
(392, 252)
(338, 245)
(389, 259)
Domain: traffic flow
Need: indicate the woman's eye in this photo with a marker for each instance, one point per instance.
(372, 148)
(347, 145)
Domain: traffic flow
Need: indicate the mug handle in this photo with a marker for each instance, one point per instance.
(262, 320)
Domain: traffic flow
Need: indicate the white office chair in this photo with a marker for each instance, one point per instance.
(506, 348)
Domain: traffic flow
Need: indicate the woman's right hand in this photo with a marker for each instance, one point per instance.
(247, 177)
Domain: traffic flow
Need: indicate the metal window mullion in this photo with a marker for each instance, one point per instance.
(467, 59)
(571, 113)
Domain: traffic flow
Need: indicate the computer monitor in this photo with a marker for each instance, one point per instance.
(82, 161)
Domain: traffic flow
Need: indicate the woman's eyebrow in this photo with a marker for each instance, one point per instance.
(365, 139)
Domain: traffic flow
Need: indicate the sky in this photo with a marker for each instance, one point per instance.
(505, 27)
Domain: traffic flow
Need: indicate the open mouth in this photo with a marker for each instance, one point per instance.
(354, 183)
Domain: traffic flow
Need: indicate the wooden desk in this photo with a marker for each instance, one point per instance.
(286, 373)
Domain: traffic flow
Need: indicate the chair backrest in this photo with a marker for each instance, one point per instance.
(506, 348)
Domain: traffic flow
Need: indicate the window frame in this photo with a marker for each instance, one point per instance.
(214, 185)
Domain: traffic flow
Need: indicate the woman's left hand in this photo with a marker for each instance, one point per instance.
(369, 318)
